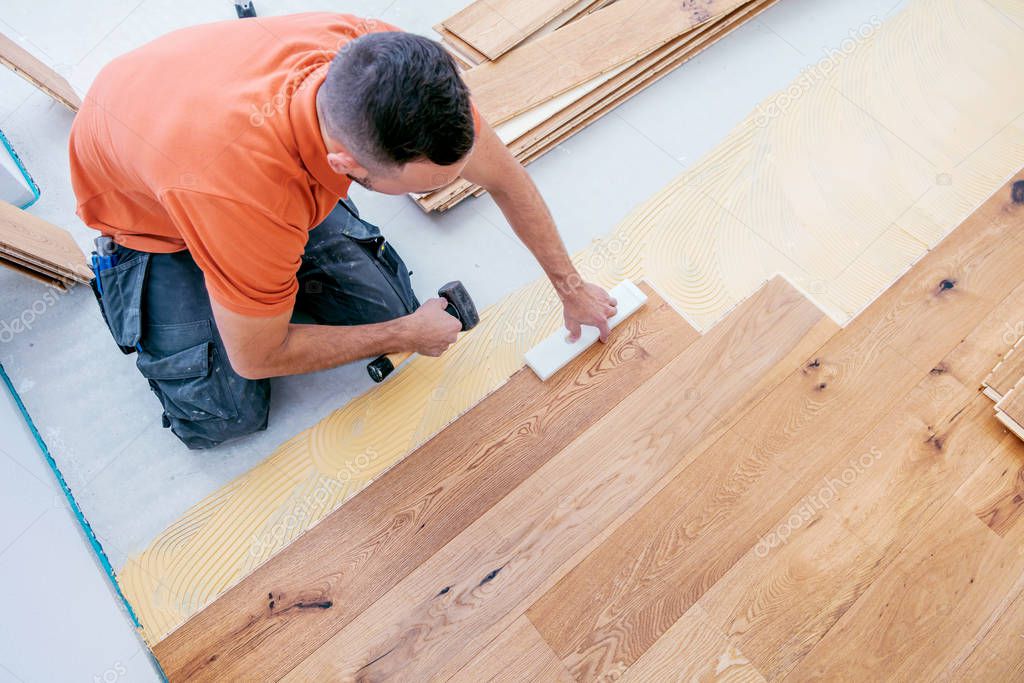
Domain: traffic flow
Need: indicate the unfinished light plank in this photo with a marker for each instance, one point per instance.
(933, 600)
(518, 654)
(493, 27)
(34, 240)
(23, 63)
(422, 628)
(379, 536)
(584, 49)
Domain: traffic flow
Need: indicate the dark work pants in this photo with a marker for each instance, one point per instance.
(158, 305)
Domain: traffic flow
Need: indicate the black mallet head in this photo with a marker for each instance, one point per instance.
(460, 304)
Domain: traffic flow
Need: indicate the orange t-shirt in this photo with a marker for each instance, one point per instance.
(207, 139)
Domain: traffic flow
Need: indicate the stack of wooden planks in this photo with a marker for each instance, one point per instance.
(540, 71)
(1005, 386)
(39, 249)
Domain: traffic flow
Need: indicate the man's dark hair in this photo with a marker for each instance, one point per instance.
(397, 97)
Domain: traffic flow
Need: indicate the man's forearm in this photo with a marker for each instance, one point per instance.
(309, 348)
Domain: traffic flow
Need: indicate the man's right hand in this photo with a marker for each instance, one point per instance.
(432, 329)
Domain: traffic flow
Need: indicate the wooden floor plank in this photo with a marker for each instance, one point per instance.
(26, 65)
(821, 556)
(34, 240)
(1012, 407)
(657, 565)
(1000, 656)
(1007, 373)
(693, 650)
(378, 537)
(495, 26)
(518, 654)
(584, 49)
(930, 602)
(484, 574)
(623, 597)
(995, 492)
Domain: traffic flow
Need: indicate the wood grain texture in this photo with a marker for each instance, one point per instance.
(1010, 407)
(801, 577)
(495, 26)
(518, 654)
(615, 604)
(1006, 373)
(693, 650)
(34, 241)
(26, 65)
(995, 492)
(582, 50)
(934, 600)
(377, 538)
(1000, 656)
(619, 601)
(422, 627)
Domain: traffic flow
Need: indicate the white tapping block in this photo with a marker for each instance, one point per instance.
(552, 354)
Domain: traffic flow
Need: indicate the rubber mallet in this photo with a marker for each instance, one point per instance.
(460, 306)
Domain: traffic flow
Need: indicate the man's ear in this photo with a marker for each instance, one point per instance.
(343, 163)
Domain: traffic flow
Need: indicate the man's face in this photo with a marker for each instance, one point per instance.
(416, 176)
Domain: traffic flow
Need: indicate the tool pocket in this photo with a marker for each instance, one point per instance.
(180, 361)
(121, 301)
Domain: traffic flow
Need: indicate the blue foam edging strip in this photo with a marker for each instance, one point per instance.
(24, 171)
(86, 528)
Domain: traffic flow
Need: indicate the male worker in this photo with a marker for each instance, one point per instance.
(213, 159)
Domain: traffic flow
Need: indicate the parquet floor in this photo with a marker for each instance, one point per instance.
(776, 499)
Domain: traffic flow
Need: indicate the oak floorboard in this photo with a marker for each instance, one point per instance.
(799, 579)
(625, 595)
(614, 604)
(1007, 373)
(517, 654)
(933, 600)
(485, 574)
(693, 650)
(1000, 656)
(258, 628)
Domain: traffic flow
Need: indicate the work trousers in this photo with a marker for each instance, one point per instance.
(158, 306)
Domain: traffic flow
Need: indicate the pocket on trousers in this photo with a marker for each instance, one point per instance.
(188, 382)
(122, 298)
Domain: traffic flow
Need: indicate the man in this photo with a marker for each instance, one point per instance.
(213, 161)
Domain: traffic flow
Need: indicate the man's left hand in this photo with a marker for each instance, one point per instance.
(587, 304)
